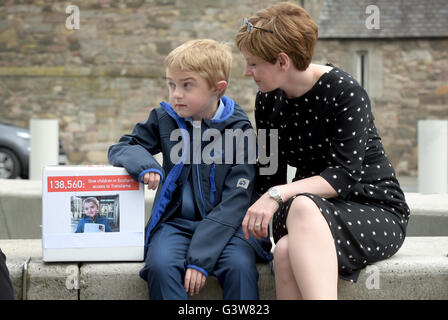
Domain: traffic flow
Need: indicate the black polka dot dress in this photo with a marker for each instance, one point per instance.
(329, 131)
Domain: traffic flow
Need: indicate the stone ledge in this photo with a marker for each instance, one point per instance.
(418, 271)
(21, 200)
(427, 204)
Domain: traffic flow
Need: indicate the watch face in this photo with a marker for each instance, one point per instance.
(274, 192)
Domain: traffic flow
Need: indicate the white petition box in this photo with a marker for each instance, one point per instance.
(91, 213)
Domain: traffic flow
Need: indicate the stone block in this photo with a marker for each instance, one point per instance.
(15, 268)
(116, 281)
(52, 281)
(21, 209)
(419, 270)
(16, 252)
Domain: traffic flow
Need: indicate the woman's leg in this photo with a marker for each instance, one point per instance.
(312, 252)
(285, 283)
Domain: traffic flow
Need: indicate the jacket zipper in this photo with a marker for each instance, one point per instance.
(212, 178)
(199, 180)
(212, 183)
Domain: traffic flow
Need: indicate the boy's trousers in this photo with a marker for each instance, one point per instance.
(165, 264)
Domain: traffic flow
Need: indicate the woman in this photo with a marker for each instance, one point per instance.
(345, 208)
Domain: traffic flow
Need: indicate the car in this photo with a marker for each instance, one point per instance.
(15, 152)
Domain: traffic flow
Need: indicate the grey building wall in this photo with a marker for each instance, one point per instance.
(103, 78)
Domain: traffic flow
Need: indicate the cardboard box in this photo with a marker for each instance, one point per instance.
(92, 213)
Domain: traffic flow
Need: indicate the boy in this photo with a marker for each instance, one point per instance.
(195, 226)
(91, 207)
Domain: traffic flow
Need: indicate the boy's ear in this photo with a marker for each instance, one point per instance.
(220, 87)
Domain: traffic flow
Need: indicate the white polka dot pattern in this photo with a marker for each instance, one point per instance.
(330, 131)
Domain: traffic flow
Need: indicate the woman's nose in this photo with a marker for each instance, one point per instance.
(247, 71)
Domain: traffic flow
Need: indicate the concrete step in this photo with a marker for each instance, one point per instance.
(429, 214)
(418, 271)
(21, 211)
(43, 281)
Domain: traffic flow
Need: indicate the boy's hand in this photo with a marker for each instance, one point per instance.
(194, 281)
(152, 179)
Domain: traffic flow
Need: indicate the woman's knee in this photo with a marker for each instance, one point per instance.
(302, 213)
(303, 204)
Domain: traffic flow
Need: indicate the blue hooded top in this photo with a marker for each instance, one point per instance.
(223, 191)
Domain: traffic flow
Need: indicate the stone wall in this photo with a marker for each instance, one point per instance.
(407, 81)
(103, 78)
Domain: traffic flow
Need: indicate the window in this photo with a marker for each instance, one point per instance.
(361, 68)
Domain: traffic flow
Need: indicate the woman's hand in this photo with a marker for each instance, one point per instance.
(152, 179)
(260, 213)
(258, 216)
(194, 281)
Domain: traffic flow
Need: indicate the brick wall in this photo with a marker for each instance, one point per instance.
(407, 81)
(103, 78)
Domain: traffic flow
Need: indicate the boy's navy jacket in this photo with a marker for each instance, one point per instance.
(98, 220)
(222, 192)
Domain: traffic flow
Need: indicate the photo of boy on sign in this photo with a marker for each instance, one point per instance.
(89, 214)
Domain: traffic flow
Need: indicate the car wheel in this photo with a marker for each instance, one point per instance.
(9, 164)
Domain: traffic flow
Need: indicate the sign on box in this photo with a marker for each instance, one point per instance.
(91, 213)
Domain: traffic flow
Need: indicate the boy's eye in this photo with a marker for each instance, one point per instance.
(188, 84)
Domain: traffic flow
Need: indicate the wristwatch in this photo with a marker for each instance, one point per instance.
(275, 194)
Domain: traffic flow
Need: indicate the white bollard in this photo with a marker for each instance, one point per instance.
(44, 145)
(433, 156)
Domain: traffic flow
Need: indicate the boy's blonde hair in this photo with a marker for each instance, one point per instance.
(210, 59)
(92, 200)
(293, 32)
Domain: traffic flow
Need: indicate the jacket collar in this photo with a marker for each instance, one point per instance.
(217, 115)
(224, 112)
